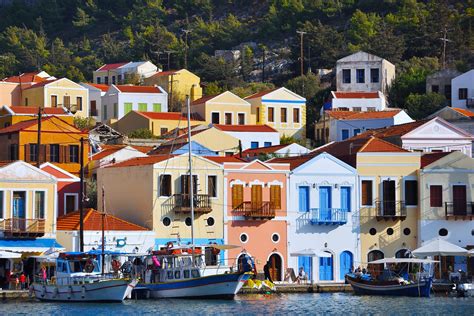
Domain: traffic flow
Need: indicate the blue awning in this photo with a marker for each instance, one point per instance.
(29, 245)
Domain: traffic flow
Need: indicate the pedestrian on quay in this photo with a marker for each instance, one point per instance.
(23, 281)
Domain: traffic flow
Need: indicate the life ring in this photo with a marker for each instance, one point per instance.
(121, 242)
(116, 265)
(89, 267)
(169, 245)
(215, 251)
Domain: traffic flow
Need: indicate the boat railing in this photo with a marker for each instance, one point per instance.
(76, 280)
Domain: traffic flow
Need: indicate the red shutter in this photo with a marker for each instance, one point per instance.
(27, 152)
(436, 196)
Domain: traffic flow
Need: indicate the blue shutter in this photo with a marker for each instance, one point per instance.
(345, 134)
(346, 199)
(325, 203)
(303, 198)
(305, 262)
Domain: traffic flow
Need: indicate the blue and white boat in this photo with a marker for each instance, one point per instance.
(365, 284)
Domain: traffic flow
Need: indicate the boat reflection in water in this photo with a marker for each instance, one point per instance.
(390, 283)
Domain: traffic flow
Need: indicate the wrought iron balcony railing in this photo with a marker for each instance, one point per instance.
(461, 208)
(181, 203)
(263, 210)
(390, 210)
(22, 227)
(329, 216)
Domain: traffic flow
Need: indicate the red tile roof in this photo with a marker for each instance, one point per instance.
(429, 158)
(175, 116)
(246, 128)
(222, 159)
(138, 89)
(93, 221)
(25, 78)
(262, 150)
(378, 145)
(392, 131)
(142, 161)
(356, 95)
(296, 161)
(204, 99)
(25, 124)
(33, 110)
(110, 149)
(259, 94)
(101, 87)
(353, 115)
(111, 66)
(464, 112)
(42, 84)
(165, 73)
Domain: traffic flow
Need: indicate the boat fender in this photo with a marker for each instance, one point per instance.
(83, 290)
(116, 265)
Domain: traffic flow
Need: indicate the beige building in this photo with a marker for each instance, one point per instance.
(178, 83)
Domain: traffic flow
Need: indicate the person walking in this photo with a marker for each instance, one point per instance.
(23, 281)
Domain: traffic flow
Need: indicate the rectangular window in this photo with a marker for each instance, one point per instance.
(436, 195)
(67, 101)
(357, 109)
(215, 118)
(228, 118)
(74, 153)
(296, 115)
(267, 144)
(26, 101)
(127, 107)
(185, 184)
(275, 197)
(39, 204)
(212, 186)
(367, 192)
(241, 118)
(119, 79)
(356, 131)
(237, 195)
(113, 80)
(303, 201)
(462, 93)
(71, 202)
(253, 145)
(106, 80)
(79, 103)
(163, 130)
(360, 75)
(116, 114)
(98, 79)
(283, 115)
(435, 88)
(346, 199)
(271, 115)
(258, 115)
(156, 107)
(32, 153)
(346, 76)
(13, 154)
(93, 109)
(447, 91)
(411, 192)
(54, 101)
(345, 134)
(371, 109)
(104, 112)
(1, 204)
(142, 107)
(374, 75)
(165, 185)
(54, 152)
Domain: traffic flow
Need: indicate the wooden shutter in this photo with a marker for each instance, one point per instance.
(256, 195)
(275, 196)
(27, 152)
(237, 195)
(366, 192)
(42, 153)
(47, 153)
(63, 154)
(436, 196)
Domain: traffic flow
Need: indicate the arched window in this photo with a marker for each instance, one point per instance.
(374, 269)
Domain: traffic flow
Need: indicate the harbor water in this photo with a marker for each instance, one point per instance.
(258, 304)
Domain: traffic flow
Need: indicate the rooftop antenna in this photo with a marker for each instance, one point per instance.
(186, 32)
(445, 40)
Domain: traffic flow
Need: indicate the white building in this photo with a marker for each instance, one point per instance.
(96, 92)
(362, 71)
(358, 101)
(323, 215)
(462, 90)
(252, 136)
(117, 73)
(121, 99)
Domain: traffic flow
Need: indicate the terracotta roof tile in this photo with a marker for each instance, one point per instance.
(391, 131)
(101, 87)
(165, 73)
(378, 145)
(429, 158)
(356, 95)
(296, 161)
(204, 99)
(246, 128)
(106, 152)
(25, 78)
(353, 115)
(174, 116)
(138, 89)
(464, 112)
(33, 110)
(111, 66)
(93, 221)
(221, 159)
(262, 150)
(42, 84)
(18, 126)
(141, 161)
(259, 94)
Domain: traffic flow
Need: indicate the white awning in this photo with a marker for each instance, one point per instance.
(9, 255)
(403, 260)
(310, 253)
(439, 247)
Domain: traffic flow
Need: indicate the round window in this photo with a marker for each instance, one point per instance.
(166, 221)
(443, 232)
(390, 231)
(372, 231)
(210, 221)
(188, 221)
(407, 231)
(244, 238)
(275, 238)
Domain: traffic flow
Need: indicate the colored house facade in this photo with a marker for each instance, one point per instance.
(58, 93)
(358, 101)
(447, 205)
(225, 108)
(178, 83)
(96, 92)
(281, 109)
(462, 90)
(252, 136)
(121, 99)
(118, 73)
(10, 115)
(60, 143)
(323, 215)
(10, 93)
(157, 196)
(256, 214)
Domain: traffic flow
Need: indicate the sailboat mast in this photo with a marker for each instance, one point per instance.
(103, 231)
(191, 180)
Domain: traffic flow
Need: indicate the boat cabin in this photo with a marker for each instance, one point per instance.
(169, 268)
(76, 264)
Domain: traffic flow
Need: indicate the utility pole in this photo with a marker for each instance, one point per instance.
(263, 64)
(81, 198)
(301, 33)
(186, 47)
(169, 52)
(445, 41)
(38, 143)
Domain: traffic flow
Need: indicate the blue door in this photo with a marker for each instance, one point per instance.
(346, 199)
(325, 269)
(346, 263)
(325, 203)
(305, 263)
(303, 198)
(19, 205)
(345, 134)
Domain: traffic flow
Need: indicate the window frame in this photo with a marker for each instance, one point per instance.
(79, 103)
(239, 115)
(346, 76)
(127, 107)
(372, 70)
(283, 115)
(405, 191)
(35, 215)
(33, 156)
(76, 202)
(462, 93)
(360, 71)
(371, 186)
(218, 117)
(271, 118)
(215, 195)
(252, 144)
(440, 196)
(57, 154)
(160, 186)
(296, 116)
(2, 204)
(71, 154)
(226, 115)
(142, 107)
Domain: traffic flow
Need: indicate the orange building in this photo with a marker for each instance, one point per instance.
(10, 115)
(60, 143)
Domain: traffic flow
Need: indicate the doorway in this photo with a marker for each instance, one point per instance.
(346, 264)
(459, 200)
(71, 202)
(326, 268)
(375, 269)
(19, 210)
(275, 267)
(388, 194)
(325, 203)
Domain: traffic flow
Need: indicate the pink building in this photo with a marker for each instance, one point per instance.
(256, 216)
(68, 189)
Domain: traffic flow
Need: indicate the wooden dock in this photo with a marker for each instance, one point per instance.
(303, 288)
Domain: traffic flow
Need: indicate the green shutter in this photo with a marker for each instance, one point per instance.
(156, 107)
(127, 107)
(142, 107)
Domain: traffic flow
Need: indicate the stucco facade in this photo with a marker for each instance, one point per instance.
(462, 90)
(10, 93)
(178, 83)
(117, 73)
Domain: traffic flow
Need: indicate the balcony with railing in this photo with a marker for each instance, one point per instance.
(22, 227)
(255, 210)
(329, 216)
(181, 203)
(459, 210)
(391, 210)
(470, 102)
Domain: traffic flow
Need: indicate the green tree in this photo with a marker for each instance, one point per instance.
(81, 19)
(144, 133)
(307, 85)
(246, 62)
(84, 123)
(420, 106)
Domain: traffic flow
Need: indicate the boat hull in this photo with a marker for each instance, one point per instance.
(421, 289)
(214, 286)
(102, 291)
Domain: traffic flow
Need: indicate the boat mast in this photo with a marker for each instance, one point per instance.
(103, 231)
(191, 180)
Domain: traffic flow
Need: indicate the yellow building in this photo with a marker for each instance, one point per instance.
(157, 196)
(28, 211)
(158, 123)
(178, 83)
(10, 115)
(58, 93)
(281, 109)
(225, 108)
